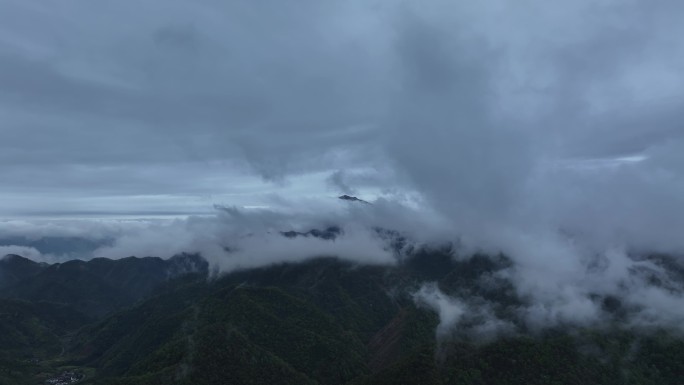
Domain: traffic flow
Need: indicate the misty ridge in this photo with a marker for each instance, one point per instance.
(422, 184)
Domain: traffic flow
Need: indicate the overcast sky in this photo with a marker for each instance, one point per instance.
(554, 114)
(171, 106)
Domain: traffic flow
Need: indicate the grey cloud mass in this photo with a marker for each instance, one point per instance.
(548, 131)
(93, 93)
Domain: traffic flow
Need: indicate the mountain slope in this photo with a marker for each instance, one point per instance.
(277, 311)
(323, 321)
(15, 268)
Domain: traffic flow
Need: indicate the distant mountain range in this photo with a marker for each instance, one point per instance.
(59, 247)
(95, 287)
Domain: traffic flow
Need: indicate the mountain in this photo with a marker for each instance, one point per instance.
(350, 198)
(15, 268)
(94, 287)
(31, 333)
(330, 322)
(61, 247)
(329, 233)
(36, 326)
(313, 321)
(322, 321)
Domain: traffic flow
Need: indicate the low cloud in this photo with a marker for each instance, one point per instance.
(460, 319)
(237, 238)
(26, 252)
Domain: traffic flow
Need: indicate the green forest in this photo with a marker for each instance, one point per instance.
(318, 322)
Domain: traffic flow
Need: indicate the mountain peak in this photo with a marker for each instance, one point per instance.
(350, 198)
(14, 258)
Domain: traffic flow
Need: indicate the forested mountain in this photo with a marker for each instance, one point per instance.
(324, 321)
(95, 287)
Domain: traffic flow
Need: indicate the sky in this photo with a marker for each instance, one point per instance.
(546, 113)
(159, 107)
(547, 130)
(169, 107)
